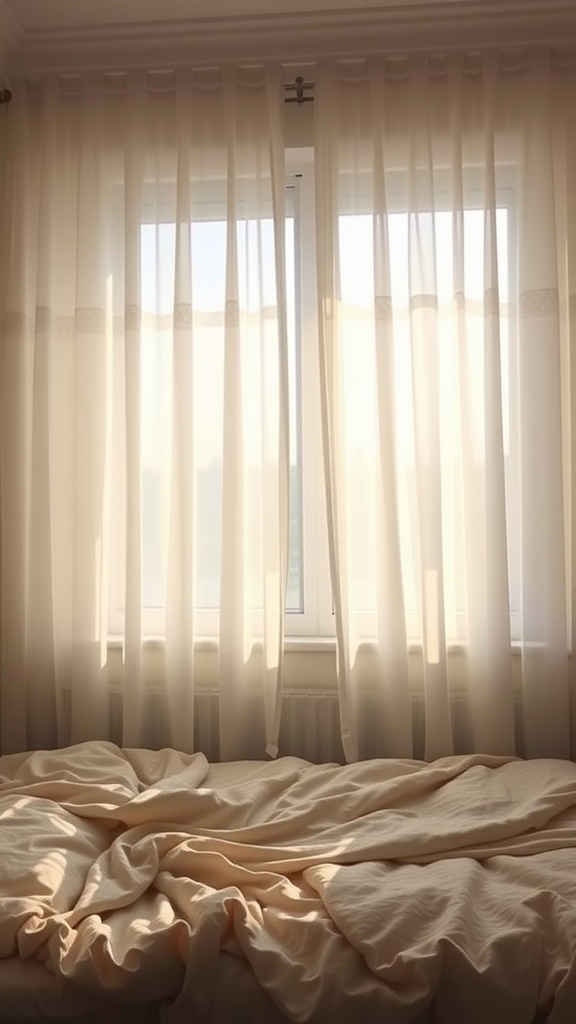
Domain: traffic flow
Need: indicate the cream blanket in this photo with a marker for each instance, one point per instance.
(365, 892)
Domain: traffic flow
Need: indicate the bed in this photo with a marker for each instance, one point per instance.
(153, 886)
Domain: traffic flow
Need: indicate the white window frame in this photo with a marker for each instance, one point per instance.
(315, 623)
(298, 624)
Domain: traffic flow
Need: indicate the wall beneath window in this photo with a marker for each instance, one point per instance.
(310, 724)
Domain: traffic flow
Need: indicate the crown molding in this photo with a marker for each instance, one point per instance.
(392, 27)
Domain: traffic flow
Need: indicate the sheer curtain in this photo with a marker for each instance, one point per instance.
(143, 430)
(445, 232)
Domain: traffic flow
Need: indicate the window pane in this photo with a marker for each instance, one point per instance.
(255, 243)
(422, 264)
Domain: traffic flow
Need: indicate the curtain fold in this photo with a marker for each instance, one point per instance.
(442, 217)
(143, 426)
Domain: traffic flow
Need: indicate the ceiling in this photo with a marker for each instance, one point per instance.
(41, 35)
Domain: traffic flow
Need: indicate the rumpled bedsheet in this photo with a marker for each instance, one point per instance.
(378, 891)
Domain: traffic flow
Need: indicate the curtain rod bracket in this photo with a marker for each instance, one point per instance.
(299, 86)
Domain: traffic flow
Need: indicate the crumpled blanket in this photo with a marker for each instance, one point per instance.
(372, 891)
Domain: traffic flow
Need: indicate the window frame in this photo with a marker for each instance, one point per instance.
(315, 621)
(297, 622)
(319, 620)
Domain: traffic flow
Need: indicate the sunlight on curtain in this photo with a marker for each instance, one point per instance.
(144, 418)
(443, 207)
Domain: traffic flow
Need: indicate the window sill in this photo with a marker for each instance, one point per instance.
(303, 645)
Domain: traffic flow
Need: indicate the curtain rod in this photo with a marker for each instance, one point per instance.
(299, 87)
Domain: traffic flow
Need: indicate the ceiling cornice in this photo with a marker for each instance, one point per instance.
(391, 27)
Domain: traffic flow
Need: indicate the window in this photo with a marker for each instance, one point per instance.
(426, 305)
(309, 608)
(358, 290)
(158, 247)
(421, 240)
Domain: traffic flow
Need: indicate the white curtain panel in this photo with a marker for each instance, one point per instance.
(446, 234)
(143, 429)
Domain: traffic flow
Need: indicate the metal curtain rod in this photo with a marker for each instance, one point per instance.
(299, 86)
